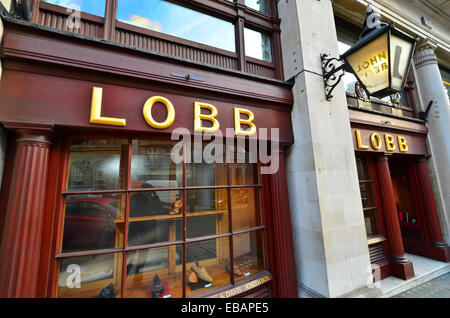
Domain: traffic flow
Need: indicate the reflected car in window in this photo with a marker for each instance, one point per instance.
(89, 224)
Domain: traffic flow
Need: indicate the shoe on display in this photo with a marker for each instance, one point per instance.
(176, 207)
(192, 278)
(107, 292)
(237, 272)
(157, 287)
(201, 272)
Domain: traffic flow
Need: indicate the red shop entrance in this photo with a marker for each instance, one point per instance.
(398, 202)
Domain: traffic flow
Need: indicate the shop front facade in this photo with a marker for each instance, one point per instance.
(399, 207)
(108, 189)
(367, 177)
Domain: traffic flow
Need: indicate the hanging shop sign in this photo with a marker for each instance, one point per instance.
(380, 60)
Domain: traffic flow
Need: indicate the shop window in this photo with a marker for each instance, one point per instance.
(155, 228)
(96, 7)
(172, 19)
(258, 45)
(366, 187)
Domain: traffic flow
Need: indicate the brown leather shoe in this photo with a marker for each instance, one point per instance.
(201, 272)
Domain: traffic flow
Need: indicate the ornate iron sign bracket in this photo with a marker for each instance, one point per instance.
(333, 69)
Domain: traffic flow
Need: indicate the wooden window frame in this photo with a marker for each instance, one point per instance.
(235, 12)
(59, 224)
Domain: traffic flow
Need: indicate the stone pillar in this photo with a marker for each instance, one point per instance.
(439, 249)
(21, 238)
(400, 266)
(430, 88)
(330, 241)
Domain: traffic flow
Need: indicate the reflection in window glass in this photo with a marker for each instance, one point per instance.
(96, 223)
(246, 208)
(155, 273)
(260, 5)
(207, 212)
(152, 167)
(248, 252)
(155, 217)
(93, 222)
(258, 45)
(96, 7)
(206, 265)
(169, 18)
(97, 164)
(244, 173)
(202, 174)
(100, 276)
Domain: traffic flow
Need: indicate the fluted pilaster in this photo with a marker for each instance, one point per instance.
(440, 249)
(21, 239)
(400, 265)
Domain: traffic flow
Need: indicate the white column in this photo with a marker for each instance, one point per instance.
(430, 88)
(330, 241)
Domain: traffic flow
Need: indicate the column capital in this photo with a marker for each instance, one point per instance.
(30, 132)
(383, 157)
(424, 54)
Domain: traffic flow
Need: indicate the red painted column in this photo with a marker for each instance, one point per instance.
(21, 238)
(439, 249)
(400, 266)
(283, 245)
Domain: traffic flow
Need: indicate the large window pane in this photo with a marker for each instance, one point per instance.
(203, 174)
(246, 208)
(96, 276)
(93, 222)
(244, 173)
(366, 194)
(155, 273)
(98, 164)
(152, 166)
(258, 45)
(96, 7)
(155, 216)
(207, 212)
(260, 5)
(169, 18)
(248, 252)
(206, 265)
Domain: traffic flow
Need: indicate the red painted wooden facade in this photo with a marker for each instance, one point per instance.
(424, 235)
(45, 94)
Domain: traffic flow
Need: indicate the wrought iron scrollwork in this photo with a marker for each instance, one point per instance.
(333, 70)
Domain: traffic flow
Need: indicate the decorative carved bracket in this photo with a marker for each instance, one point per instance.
(333, 69)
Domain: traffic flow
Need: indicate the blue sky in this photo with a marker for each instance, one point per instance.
(178, 21)
(96, 7)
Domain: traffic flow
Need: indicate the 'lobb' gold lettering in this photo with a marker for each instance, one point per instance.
(359, 142)
(96, 111)
(97, 118)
